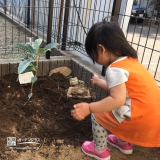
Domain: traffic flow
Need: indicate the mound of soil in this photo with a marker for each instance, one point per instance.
(47, 118)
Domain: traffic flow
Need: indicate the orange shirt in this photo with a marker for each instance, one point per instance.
(143, 128)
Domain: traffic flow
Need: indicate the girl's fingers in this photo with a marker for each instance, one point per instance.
(75, 113)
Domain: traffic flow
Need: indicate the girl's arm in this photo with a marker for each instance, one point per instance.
(115, 100)
(96, 81)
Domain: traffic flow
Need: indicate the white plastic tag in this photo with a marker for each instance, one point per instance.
(25, 77)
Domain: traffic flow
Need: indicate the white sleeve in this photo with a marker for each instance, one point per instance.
(115, 76)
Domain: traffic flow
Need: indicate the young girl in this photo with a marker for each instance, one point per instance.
(131, 112)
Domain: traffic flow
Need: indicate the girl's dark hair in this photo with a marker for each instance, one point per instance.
(110, 35)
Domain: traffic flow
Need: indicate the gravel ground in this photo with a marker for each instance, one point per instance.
(9, 35)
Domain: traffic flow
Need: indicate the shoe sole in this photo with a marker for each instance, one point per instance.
(97, 158)
(123, 151)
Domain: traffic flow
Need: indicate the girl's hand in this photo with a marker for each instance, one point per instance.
(95, 79)
(80, 111)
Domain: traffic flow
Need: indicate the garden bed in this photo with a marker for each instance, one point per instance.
(47, 116)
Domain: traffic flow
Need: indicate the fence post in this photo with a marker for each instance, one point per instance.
(60, 21)
(115, 13)
(33, 13)
(116, 8)
(28, 14)
(49, 30)
(65, 25)
(5, 6)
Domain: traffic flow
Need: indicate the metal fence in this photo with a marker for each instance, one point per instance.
(68, 21)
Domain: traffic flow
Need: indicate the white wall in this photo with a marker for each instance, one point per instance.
(125, 12)
(90, 11)
(92, 15)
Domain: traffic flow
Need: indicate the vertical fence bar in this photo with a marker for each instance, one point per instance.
(116, 8)
(157, 67)
(115, 13)
(5, 6)
(5, 27)
(38, 6)
(33, 13)
(60, 20)
(28, 14)
(49, 30)
(65, 25)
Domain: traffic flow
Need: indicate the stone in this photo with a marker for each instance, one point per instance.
(63, 70)
(73, 81)
(78, 92)
(81, 84)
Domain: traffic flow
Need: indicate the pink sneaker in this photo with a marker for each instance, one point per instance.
(124, 147)
(88, 149)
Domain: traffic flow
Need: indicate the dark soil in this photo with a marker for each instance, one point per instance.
(47, 117)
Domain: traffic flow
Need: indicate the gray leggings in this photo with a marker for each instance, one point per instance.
(99, 134)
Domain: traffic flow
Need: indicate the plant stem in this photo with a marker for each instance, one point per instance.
(37, 60)
(31, 87)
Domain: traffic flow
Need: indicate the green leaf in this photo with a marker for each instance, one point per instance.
(20, 46)
(30, 68)
(24, 47)
(30, 48)
(23, 65)
(17, 57)
(31, 64)
(37, 43)
(34, 79)
(31, 51)
(50, 46)
(41, 50)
